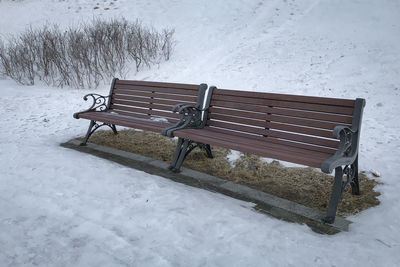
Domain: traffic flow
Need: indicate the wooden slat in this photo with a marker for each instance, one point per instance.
(155, 89)
(146, 116)
(285, 104)
(179, 98)
(128, 122)
(286, 97)
(327, 150)
(167, 112)
(118, 102)
(135, 99)
(282, 135)
(158, 84)
(260, 142)
(268, 123)
(287, 112)
(276, 154)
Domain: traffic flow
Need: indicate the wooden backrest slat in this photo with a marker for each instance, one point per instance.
(149, 100)
(123, 93)
(158, 84)
(322, 149)
(274, 125)
(146, 112)
(118, 103)
(287, 112)
(284, 104)
(166, 90)
(287, 97)
(274, 133)
(221, 114)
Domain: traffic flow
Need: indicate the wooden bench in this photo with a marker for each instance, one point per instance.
(144, 105)
(313, 131)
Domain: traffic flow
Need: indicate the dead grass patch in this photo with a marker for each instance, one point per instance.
(306, 186)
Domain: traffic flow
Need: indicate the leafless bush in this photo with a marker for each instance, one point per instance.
(83, 56)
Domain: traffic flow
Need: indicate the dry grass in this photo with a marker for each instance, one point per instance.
(302, 185)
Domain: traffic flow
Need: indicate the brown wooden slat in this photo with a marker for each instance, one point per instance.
(128, 122)
(146, 116)
(247, 121)
(214, 111)
(285, 104)
(260, 142)
(118, 102)
(234, 112)
(283, 135)
(168, 112)
(327, 150)
(272, 125)
(158, 84)
(280, 155)
(149, 100)
(286, 112)
(155, 89)
(179, 98)
(286, 97)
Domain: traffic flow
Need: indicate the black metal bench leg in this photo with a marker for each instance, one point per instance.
(176, 154)
(335, 196)
(113, 128)
(88, 133)
(208, 151)
(355, 186)
(182, 155)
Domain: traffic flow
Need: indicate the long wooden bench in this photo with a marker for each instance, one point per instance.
(314, 131)
(145, 105)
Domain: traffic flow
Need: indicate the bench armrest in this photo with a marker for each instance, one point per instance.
(347, 150)
(191, 117)
(100, 103)
(181, 108)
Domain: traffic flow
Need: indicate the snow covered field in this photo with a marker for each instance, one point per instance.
(62, 208)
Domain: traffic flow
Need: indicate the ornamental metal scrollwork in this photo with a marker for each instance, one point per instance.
(100, 102)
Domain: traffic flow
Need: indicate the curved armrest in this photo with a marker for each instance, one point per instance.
(181, 108)
(100, 103)
(347, 150)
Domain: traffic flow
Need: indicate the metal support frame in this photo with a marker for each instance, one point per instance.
(339, 185)
(93, 126)
(184, 147)
(100, 103)
(192, 117)
(347, 156)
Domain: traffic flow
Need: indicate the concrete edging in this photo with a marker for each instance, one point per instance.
(265, 203)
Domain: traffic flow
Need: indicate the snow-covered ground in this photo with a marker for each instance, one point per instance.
(62, 208)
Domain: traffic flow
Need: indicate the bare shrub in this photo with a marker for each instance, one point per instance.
(85, 55)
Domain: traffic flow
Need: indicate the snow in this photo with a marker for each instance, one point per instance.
(63, 208)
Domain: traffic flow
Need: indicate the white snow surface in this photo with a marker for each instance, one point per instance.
(59, 207)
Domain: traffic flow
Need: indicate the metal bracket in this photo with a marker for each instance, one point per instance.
(93, 126)
(183, 149)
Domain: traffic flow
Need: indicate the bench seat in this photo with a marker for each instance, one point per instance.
(264, 147)
(112, 117)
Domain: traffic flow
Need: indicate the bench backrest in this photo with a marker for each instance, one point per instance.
(153, 99)
(299, 121)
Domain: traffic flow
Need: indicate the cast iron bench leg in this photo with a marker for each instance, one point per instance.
(355, 186)
(93, 126)
(208, 150)
(335, 196)
(88, 133)
(176, 154)
(114, 129)
(183, 149)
